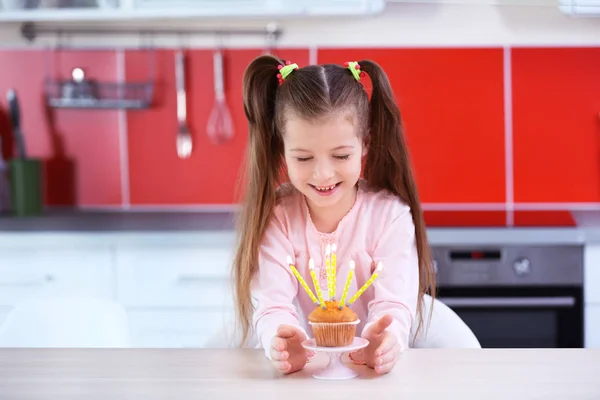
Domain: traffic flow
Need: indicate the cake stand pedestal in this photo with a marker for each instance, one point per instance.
(335, 369)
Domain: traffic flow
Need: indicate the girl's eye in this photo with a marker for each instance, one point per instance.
(303, 159)
(347, 156)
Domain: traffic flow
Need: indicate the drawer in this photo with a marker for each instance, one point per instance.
(174, 277)
(177, 329)
(25, 273)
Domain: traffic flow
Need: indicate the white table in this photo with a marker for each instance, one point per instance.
(174, 374)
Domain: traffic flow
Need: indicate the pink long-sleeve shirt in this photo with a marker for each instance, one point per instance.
(379, 227)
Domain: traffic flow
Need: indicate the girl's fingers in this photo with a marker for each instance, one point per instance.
(282, 366)
(278, 344)
(386, 345)
(385, 363)
(386, 357)
(279, 355)
(385, 368)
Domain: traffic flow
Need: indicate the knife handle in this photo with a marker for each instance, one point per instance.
(13, 108)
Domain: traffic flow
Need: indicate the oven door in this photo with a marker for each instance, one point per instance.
(520, 317)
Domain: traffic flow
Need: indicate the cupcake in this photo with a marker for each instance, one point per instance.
(332, 326)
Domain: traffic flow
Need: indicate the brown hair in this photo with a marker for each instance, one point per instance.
(312, 92)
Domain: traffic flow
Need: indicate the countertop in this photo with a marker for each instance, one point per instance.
(182, 374)
(220, 227)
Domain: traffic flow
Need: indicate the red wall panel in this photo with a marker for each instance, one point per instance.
(452, 105)
(80, 147)
(556, 129)
(157, 175)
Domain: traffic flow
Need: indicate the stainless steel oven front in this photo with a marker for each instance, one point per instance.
(515, 296)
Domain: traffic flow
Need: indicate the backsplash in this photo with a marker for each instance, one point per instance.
(461, 107)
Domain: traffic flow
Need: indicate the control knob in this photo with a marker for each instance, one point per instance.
(522, 267)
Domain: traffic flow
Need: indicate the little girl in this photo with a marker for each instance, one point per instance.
(315, 128)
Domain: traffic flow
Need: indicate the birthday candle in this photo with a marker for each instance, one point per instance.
(328, 270)
(333, 269)
(345, 292)
(301, 280)
(367, 283)
(311, 267)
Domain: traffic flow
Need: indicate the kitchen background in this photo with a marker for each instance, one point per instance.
(501, 109)
(499, 103)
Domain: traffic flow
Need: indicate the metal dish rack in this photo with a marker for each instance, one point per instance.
(80, 92)
(101, 95)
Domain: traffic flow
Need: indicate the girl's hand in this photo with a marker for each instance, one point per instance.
(287, 353)
(383, 350)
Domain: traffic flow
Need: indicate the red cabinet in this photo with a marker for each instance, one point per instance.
(453, 108)
(157, 175)
(556, 105)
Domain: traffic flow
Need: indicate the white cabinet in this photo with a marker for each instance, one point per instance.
(592, 325)
(591, 278)
(30, 271)
(176, 289)
(176, 296)
(174, 276)
(24, 11)
(122, 10)
(591, 274)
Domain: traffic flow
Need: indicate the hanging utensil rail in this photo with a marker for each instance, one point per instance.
(31, 31)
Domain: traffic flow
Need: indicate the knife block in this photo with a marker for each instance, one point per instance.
(26, 186)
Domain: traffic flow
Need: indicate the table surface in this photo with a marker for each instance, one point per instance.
(181, 374)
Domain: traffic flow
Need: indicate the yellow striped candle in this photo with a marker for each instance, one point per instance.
(367, 283)
(302, 281)
(345, 292)
(311, 268)
(328, 271)
(333, 270)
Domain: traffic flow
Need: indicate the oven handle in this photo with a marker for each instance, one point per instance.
(515, 302)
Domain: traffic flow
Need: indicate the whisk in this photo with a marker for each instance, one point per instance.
(220, 124)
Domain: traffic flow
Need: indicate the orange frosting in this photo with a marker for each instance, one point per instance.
(332, 313)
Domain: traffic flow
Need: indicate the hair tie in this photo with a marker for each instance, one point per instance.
(284, 71)
(354, 67)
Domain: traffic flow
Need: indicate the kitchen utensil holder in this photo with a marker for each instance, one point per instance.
(102, 95)
(79, 91)
(26, 177)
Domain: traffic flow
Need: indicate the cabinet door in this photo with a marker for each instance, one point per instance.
(26, 272)
(591, 273)
(452, 103)
(556, 132)
(592, 325)
(175, 276)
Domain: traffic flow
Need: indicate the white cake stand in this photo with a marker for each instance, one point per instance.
(335, 369)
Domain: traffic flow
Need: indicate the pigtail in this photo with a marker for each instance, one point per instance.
(388, 167)
(263, 163)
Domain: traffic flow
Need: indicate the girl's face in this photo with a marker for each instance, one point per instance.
(323, 160)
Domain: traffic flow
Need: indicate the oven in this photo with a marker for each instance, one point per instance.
(515, 296)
